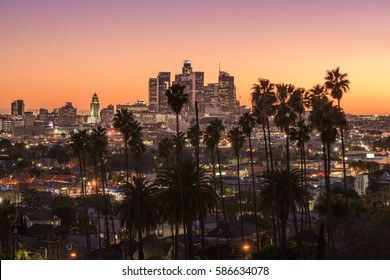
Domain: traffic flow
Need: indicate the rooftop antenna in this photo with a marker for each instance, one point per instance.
(219, 67)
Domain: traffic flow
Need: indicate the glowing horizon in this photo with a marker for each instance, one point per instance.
(53, 52)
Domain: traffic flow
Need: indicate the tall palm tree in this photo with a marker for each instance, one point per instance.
(100, 144)
(200, 198)
(300, 134)
(337, 84)
(215, 129)
(8, 214)
(289, 195)
(176, 98)
(285, 115)
(123, 121)
(79, 145)
(92, 151)
(137, 145)
(237, 140)
(326, 117)
(264, 100)
(264, 106)
(247, 123)
(165, 148)
(139, 208)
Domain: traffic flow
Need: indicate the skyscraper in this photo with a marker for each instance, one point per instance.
(226, 92)
(153, 97)
(17, 108)
(197, 89)
(94, 113)
(163, 83)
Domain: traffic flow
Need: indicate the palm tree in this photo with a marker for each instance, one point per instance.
(139, 208)
(300, 134)
(237, 140)
(100, 144)
(326, 118)
(247, 123)
(8, 215)
(215, 129)
(92, 154)
(123, 121)
(165, 148)
(208, 139)
(200, 198)
(289, 195)
(264, 100)
(137, 145)
(79, 145)
(285, 115)
(264, 106)
(337, 84)
(176, 98)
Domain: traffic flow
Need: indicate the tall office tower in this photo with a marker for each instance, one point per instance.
(17, 108)
(163, 83)
(67, 115)
(226, 92)
(153, 97)
(186, 70)
(107, 115)
(197, 90)
(94, 113)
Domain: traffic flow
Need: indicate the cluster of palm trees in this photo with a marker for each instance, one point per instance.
(183, 192)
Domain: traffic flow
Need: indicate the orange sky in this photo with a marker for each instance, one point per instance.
(57, 51)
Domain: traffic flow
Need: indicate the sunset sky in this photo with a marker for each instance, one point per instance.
(53, 51)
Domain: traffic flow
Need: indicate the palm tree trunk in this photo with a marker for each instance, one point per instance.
(97, 198)
(266, 147)
(186, 245)
(329, 199)
(240, 205)
(107, 235)
(272, 172)
(130, 241)
(327, 187)
(141, 255)
(83, 189)
(306, 187)
(343, 154)
(283, 244)
(127, 162)
(254, 196)
(222, 198)
(216, 205)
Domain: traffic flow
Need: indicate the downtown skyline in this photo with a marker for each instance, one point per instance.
(66, 51)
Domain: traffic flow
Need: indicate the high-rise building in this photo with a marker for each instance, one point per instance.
(94, 112)
(197, 90)
(67, 115)
(163, 83)
(17, 108)
(226, 92)
(153, 97)
(107, 115)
